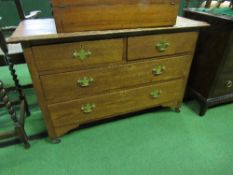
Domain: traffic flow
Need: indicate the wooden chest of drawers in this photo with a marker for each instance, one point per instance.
(89, 15)
(84, 77)
(211, 79)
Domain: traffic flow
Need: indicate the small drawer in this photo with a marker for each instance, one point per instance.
(78, 54)
(68, 115)
(79, 84)
(159, 45)
(224, 84)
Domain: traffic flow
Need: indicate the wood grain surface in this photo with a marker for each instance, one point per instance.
(44, 30)
(74, 16)
(114, 77)
(112, 104)
(145, 46)
(60, 56)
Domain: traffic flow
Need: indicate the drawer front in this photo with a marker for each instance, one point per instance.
(68, 115)
(160, 45)
(79, 54)
(224, 84)
(78, 84)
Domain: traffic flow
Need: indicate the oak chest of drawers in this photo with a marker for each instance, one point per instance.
(88, 76)
(89, 15)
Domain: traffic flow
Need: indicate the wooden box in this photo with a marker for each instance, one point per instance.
(89, 15)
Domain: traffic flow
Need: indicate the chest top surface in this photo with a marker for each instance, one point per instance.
(45, 30)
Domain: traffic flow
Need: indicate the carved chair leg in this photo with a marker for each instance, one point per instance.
(22, 135)
(17, 84)
(7, 103)
(28, 113)
(19, 128)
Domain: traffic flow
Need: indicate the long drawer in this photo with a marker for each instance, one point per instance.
(79, 84)
(160, 45)
(68, 115)
(78, 54)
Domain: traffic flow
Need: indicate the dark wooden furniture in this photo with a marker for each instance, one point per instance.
(87, 76)
(211, 78)
(89, 15)
(18, 120)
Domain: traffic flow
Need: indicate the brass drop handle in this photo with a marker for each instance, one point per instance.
(85, 81)
(88, 108)
(156, 93)
(81, 54)
(162, 46)
(158, 70)
(229, 84)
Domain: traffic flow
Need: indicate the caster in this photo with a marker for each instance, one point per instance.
(55, 141)
(177, 110)
(26, 146)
